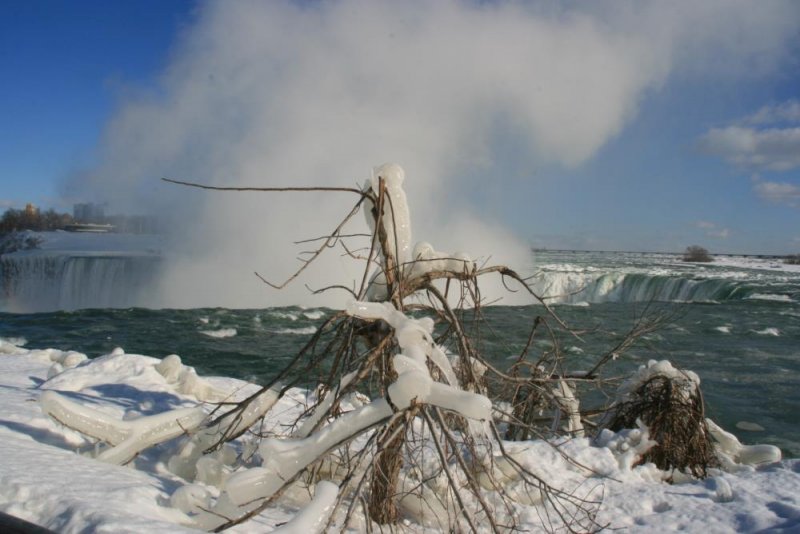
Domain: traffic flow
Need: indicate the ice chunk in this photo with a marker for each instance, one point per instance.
(191, 498)
(221, 333)
(722, 489)
(170, 368)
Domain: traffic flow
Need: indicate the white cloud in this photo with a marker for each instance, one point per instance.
(713, 230)
(778, 192)
(785, 112)
(773, 149)
(281, 93)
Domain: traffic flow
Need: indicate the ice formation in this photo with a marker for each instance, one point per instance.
(732, 453)
(628, 445)
(396, 220)
(185, 379)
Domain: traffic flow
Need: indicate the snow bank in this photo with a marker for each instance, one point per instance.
(43, 480)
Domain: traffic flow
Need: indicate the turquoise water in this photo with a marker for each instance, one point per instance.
(737, 327)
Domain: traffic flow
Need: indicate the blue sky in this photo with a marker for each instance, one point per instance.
(610, 125)
(65, 66)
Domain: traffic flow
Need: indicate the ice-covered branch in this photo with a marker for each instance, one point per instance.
(127, 438)
(283, 460)
(232, 424)
(314, 516)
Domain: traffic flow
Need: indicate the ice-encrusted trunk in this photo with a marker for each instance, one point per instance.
(386, 184)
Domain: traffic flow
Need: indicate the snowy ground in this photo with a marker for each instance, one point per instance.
(47, 475)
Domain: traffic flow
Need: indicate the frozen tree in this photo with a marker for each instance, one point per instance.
(410, 418)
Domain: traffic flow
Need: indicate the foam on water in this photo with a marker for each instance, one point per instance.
(221, 333)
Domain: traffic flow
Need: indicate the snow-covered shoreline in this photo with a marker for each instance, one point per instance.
(47, 476)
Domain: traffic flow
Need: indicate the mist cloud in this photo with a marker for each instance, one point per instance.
(281, 93)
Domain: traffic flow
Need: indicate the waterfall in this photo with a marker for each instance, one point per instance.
(575, 287)
(37, 282)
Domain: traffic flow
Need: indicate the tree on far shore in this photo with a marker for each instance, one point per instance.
(696, 253)
(17, 220)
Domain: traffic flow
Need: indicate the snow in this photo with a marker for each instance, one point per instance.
(47, 474)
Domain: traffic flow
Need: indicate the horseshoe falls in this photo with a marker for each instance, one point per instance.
(576, 277)
(78, 271)
(737, 320)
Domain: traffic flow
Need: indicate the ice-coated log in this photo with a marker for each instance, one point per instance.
(85, 420)
(313, 518)
(127, 438)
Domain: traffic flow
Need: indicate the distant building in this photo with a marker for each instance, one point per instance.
(31, 210)
(89, 213)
